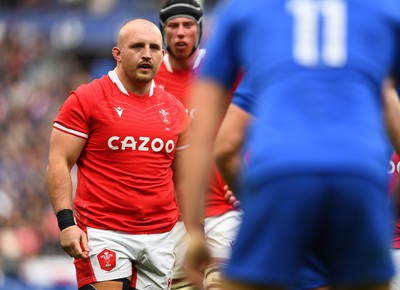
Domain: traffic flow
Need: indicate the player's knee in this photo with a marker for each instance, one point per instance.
(182, 285)
(212, 277)
(87, 287)
(125, 285)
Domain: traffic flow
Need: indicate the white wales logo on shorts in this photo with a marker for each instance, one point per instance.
(143, 143)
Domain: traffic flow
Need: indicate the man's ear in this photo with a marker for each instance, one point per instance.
(116, 53)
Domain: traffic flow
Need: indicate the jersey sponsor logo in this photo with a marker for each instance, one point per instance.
(107, 259)
(119, 111)
(143, 143)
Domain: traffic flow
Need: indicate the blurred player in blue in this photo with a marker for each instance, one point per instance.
(230, 157)
(316, 180)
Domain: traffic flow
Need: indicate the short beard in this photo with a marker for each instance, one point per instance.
(144, 78)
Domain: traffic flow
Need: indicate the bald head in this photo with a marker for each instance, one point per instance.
(135, 26)
(138, 53)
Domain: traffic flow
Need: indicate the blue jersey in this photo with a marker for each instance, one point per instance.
(312, 273)
(243, 95)
(318, 67)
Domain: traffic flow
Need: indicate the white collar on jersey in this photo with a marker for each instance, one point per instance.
(200, 56)
(113, 76)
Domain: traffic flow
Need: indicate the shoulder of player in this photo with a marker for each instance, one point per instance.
(165, 96)
(162, 70)
(160, 93)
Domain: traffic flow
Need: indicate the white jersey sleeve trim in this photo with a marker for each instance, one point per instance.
(183, 147)
(167, 63)
(70, 131)
(199, 59)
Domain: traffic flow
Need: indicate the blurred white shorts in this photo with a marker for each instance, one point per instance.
(220, 234)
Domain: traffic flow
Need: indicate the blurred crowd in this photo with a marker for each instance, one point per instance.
(35, 81)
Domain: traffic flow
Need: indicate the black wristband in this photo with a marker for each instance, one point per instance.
(65, 219)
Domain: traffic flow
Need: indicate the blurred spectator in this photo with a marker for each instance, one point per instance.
(24, 4)
(35, 81)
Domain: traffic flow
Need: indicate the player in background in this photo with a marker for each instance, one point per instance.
(318, 82)
(126, 136)
(230, 157)
(181, 23)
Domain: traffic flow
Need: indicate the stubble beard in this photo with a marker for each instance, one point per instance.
(145, 78)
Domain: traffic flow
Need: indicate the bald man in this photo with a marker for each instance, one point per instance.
(125, 135)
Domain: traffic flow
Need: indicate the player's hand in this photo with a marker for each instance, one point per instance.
(74, 242)
(197, 258)
(231, 198)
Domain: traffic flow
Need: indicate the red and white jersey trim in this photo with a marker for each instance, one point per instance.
(113, 76)
(197, 62)
(180, 148)
(70, 131)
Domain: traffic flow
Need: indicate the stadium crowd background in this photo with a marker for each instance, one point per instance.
(47, 48)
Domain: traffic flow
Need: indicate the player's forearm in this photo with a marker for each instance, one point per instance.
(191, 192)
(59, 185)
(229, 143)
(209, 103)
(228, 166)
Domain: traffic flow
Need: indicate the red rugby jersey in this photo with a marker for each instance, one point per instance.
(179, 83)
(124, 172)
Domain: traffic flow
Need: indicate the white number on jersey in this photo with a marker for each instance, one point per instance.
(308, 15)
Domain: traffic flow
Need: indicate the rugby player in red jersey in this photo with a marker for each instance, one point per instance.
(181, 25)
(125, 135)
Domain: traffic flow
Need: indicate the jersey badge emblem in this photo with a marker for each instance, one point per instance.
(165, 116)
(107, 259)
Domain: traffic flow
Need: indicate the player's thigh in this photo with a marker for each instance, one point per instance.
(153, 267)
(180, 246)
(395, 282)
(234, 285)
(221, 233)
(121, 284)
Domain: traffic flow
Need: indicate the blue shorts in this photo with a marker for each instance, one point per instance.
(344, 220)
(312, 274)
